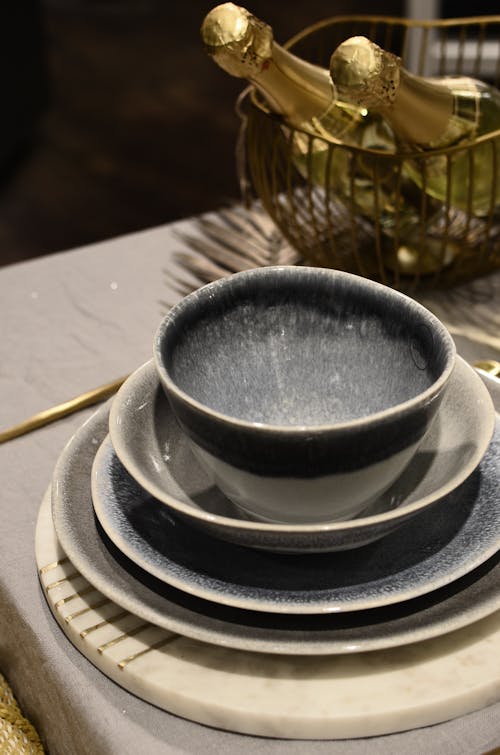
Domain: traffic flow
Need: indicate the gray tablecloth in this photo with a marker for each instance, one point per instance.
(70, 322)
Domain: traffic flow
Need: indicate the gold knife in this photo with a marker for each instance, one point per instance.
(62, 410)
(490, 366)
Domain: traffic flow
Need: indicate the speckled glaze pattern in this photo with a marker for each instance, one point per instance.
(296, 372)
(443, 544)
(464, 601)
(273, 356)
(155, 452)
(291, 362)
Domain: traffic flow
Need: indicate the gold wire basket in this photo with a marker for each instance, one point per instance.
(404, 238)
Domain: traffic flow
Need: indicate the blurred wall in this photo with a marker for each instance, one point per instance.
(130, 124)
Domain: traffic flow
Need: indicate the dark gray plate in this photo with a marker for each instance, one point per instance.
(462, 602)
(153, 449)
(431, 550)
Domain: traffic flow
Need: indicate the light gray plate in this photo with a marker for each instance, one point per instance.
(431, 550)
(466, 600)
(153, 449)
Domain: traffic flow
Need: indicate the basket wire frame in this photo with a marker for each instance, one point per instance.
(443, 245)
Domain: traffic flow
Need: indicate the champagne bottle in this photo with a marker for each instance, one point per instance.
(304, 96)
(428, 115)
(243, 46)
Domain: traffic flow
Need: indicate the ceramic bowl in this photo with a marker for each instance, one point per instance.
(304, 391)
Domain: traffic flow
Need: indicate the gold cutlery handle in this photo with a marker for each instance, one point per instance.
(62, 410)
(491, 366)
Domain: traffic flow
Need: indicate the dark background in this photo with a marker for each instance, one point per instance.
(113, 118)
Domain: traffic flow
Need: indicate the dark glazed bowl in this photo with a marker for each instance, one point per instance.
(304, 391)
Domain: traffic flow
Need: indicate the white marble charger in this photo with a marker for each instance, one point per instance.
(322, 697)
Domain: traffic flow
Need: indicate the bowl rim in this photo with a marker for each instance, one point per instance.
(263, 428)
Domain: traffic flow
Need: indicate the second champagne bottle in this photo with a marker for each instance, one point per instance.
(447, 121)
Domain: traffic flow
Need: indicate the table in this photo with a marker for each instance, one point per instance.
(72, 321)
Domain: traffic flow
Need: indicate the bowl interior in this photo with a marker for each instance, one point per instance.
(302, 349)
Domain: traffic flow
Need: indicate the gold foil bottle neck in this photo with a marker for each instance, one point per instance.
(240, 43)
(365, 74)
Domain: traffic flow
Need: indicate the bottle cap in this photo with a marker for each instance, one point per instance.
(364, 74)
(239, 42)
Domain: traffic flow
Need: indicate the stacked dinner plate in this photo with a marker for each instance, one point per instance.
(331, 629)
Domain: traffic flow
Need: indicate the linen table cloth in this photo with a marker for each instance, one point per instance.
(70, 322)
